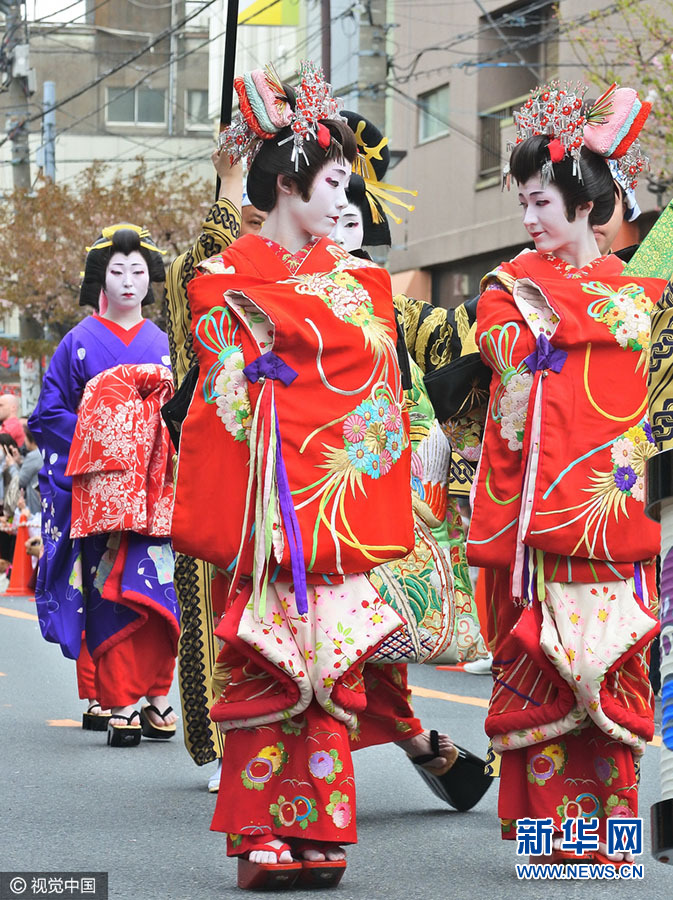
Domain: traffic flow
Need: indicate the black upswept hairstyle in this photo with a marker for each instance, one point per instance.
(373, 233)
(596, 184)
(124, 239)
(274, 159)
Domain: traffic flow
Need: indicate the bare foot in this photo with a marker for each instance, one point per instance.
(95, 709)
(268, 856)
(419, 745)
(545, 858)
(320, 852)
(161, 703)
(621, 856)
(125, 711)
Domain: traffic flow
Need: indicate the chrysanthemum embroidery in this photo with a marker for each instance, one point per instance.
(626, 312)
(611, 489)
(225, 385)
(464, 435)
(585, 805)
(269, 761)
(606, 769)
(339, 809)
(545, 764)
(617, 806)
(373, 438)
(510, 401)
(348, 300)
(629, 454)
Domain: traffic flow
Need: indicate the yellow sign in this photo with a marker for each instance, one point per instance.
(270, 12)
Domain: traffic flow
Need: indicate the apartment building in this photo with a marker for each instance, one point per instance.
(457, 72)
(155, 106)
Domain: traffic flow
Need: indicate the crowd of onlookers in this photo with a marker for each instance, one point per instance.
(20, 463)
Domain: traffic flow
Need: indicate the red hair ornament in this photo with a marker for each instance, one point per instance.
(324, 136)
(556, 150)
(609, 128)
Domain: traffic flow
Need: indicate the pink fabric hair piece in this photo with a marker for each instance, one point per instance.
(277, 108)
(618, 128)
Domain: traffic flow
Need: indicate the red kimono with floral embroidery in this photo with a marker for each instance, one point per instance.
(558, 519)
(299, 411)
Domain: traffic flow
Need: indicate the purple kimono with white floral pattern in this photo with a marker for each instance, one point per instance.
(70, 575)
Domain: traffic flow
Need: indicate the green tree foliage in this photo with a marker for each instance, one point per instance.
(634, 47)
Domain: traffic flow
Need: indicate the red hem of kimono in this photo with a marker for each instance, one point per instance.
(294, 786)
(389, 716)
(141, 666)
(528, 640)
(227, 630)
(519, 797)
(86, 673)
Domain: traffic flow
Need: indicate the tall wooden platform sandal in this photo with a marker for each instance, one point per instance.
(124, 735)
(316, 874)
(461, 782)
(268, 876)
(156, 732)
(95, 721)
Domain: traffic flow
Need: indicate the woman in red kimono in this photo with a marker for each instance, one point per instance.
(558, 517)
(300, 404)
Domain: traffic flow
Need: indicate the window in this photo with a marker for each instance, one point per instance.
(197, 110)
(199, 21)
(492, 122)
(517, 49)
(433, 115)
(136, 106)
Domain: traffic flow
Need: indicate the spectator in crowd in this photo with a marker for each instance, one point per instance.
(9, 418)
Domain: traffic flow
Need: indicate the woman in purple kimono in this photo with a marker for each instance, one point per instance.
(113, 588)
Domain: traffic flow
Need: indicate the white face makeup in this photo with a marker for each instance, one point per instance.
(544, 217)
(322, 211)
(126, 282)
(349, 230)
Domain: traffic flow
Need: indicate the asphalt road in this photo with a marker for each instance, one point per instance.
(70, 803)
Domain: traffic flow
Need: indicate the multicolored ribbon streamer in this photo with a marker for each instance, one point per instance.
(271, 366)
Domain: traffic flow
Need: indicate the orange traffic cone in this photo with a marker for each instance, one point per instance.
(22, 567)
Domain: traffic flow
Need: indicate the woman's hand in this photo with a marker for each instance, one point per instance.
(12, 455)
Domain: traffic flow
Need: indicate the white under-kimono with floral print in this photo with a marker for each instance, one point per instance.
(343, 623)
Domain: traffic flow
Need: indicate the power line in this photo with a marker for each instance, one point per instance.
(64, 24)
(57, 12)
(156, 40)
(543, 36)
(178, 58)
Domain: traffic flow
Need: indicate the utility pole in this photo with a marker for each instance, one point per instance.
(172, 72)
(326, 38)
(48, 130)
(20, 81)
(373, 63)
(18, 76)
